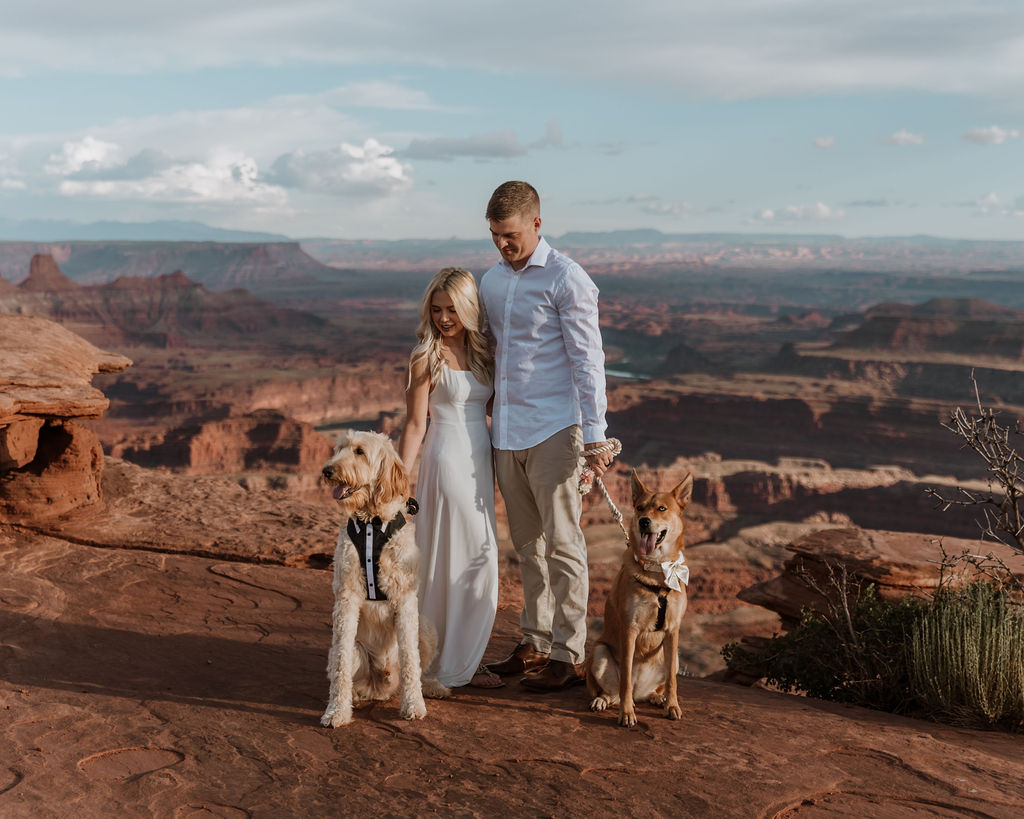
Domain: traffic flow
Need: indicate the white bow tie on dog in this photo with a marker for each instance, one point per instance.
(676, 571)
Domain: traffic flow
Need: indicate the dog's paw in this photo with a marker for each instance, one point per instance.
(435, 690)
(627, 717)
(656, 699)
(599, 703)
(335, 718)
(414, 710)
(673, 711)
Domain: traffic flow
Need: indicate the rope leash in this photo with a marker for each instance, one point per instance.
(588, 480)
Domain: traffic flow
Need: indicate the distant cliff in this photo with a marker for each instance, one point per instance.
(965, 327)
(169, 310)
(217, 266)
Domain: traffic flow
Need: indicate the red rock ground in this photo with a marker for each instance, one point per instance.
(189, 683)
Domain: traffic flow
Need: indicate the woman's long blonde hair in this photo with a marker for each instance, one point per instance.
(460, 286)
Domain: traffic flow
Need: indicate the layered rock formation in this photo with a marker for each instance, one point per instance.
(260, 449)
(49, 462)
(768, 417)
(168, 310)
(964, 327)
(264, 440)
(44, 276)
(896, 563)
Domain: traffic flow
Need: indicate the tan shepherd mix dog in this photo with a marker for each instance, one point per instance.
(637, 654)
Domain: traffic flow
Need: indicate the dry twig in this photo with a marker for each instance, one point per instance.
(1002, 517)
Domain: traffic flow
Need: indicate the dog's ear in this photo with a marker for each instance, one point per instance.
(392, 482)
(684, 491)
(638, 487)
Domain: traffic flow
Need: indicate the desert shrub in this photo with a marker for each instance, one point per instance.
(966, 657)
(956, 657)
(852, 652)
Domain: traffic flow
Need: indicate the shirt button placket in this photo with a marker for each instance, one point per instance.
(510, 294)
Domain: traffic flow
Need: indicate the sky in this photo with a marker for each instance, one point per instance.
(397, 118)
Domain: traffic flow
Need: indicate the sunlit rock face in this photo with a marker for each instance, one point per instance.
(50, 463)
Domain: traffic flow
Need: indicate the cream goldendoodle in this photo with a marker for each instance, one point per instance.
(376, 621)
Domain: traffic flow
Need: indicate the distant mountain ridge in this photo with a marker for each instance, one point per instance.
(170, 230)
(689, 251)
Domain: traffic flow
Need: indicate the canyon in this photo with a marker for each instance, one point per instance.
(791, 419)
(193, 540)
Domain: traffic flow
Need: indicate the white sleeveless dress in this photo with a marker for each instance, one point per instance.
(455, 529)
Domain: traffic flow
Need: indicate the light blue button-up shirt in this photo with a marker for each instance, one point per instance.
(549, 362)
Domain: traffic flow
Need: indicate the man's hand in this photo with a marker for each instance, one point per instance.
(599, 461)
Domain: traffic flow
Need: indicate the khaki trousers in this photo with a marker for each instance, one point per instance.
(540, 486)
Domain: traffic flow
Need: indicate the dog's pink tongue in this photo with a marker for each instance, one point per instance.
(339, 492)
(648, 540)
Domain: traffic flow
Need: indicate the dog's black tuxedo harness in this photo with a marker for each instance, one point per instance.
(662, 593)
(370, 540)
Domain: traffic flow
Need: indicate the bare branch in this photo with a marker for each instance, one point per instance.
(1002, 518)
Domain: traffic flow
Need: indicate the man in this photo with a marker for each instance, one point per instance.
(549, 407)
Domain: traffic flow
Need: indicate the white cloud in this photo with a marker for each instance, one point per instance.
(825, 142)
(221, 156)
(869, 203)
(10, 176)
(147, 162)
(552, 136)
(904, 137)
(992, 205)
(369, 169)
(226, 177)
(817, 212)
(495, 145)
(88, 153)
(992, 135)
(781, 47)
(368, 94)
(668, 208)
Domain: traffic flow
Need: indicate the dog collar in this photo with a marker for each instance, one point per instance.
(677, 573)
(369, 538)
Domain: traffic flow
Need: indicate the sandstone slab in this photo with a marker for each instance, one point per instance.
(165, 512)
(143, 684)
(896, 563)
(48, 370)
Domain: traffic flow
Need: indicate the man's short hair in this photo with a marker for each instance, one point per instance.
(512, 199)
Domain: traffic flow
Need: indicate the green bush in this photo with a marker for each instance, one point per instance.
(957, 657)
(966, 657)
(857, 659)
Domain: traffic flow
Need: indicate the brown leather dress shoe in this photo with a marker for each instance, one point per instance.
(555, 676)
(523, 659)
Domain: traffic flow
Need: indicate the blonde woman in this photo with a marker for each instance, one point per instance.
(450, 379)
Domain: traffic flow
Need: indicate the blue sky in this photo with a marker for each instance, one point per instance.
(397, 118)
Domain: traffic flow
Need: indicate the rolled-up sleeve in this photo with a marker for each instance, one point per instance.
(578, 314)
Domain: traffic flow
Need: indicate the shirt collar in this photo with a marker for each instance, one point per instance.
(538, 258)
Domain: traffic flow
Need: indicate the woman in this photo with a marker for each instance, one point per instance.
(450, 377)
